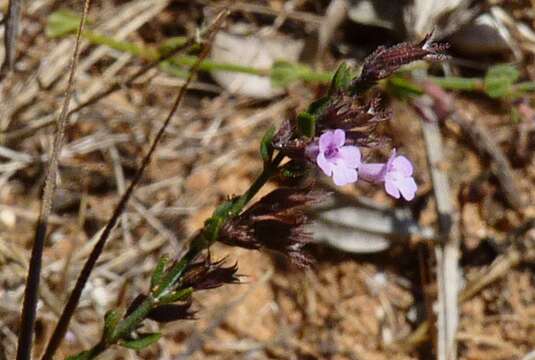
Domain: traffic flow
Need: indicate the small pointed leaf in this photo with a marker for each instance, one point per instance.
(266, 149)
(111, 319)
(306, 124)
(318, 106)
(145, 340)
(176, 296)
(341, 79)
(158, 271)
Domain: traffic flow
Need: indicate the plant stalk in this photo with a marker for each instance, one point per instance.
(170, 279)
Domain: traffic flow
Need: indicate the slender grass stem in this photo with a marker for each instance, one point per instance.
(31, 292)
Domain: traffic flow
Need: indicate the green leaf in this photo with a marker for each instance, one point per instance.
(317, 107)
(62, 22)
(342, 78)
(500, 79)
(158, 271)
(306, 124)
(266, 149)
(111, 319)
(176, 296)
(145, 340)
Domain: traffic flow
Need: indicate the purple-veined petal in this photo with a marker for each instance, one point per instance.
(391, 188)
(372, 172)
(402, 165)
(326, 140)
(339, 138)
(325, 165)
(350, 155)
(343, 175)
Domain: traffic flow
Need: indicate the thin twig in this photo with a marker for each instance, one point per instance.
(68, 311)
(31, 293)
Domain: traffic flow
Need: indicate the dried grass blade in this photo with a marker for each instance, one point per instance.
(31, 292)
(11, 35)
(72, 303)
(447, 251)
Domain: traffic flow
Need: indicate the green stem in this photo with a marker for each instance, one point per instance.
(458, 83)
(208, 65)
(146, 53)
(169, 280)
(257, 184)
(130, 323)
(175, 65)
(526, 86)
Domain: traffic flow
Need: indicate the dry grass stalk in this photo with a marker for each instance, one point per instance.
(447, 251)
(31, 293)
(10, 36)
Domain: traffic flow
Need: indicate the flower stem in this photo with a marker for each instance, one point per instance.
(257, 184)
(175, 65)
(171, 277)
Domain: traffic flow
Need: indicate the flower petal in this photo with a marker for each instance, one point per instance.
(391, 188)
(403, 165)
(343, 175)
(407, 186)
(372, 172)
(350, 155)
(325, 165)
(326, 140)
(339, 137)
(389, 163)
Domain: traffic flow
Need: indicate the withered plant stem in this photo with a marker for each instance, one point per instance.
(11, 33)
(31, 292)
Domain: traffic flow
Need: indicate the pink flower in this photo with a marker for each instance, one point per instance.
(396, 174)
(336, 160)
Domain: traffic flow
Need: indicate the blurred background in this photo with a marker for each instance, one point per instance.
(372, 291)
